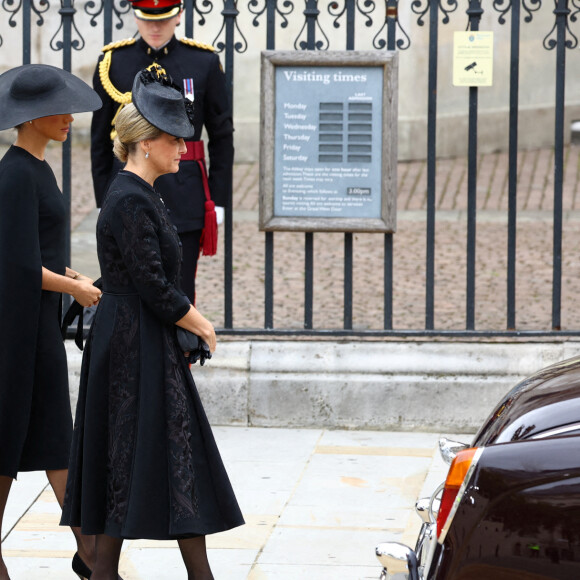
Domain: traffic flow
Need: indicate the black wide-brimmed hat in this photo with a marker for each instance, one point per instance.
(32, 91)
(162, 103)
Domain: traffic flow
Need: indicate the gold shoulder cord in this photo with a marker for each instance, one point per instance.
(197, 44)
(104, 67)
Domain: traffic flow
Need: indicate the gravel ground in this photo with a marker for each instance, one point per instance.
(534, 251)
(534, 254)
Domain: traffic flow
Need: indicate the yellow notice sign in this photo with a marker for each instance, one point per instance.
(472, 59)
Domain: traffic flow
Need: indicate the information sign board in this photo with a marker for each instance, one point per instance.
(328, 143)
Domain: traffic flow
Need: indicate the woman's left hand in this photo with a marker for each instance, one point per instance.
(195, 322)
(208, 335)
(85, 279)
(85, 293)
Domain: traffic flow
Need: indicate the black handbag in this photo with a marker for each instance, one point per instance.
(191, 343)
(77, 312)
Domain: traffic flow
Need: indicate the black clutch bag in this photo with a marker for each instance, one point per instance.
(191, 343)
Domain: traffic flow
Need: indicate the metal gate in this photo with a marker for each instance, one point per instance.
(382, 20)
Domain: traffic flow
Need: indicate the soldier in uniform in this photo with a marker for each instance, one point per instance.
(190, 194)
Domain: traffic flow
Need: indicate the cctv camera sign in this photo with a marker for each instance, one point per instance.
(472, 59)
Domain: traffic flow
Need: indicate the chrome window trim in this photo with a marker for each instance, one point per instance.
(557, 431)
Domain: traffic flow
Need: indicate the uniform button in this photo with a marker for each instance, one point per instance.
(175, 228)
(168, 211)
(180, 244)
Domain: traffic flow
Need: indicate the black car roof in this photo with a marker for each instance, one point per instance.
(540, 404)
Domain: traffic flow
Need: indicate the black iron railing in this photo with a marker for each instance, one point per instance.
(381, 20)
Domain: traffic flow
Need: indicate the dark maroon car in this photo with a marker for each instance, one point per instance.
(510, 506)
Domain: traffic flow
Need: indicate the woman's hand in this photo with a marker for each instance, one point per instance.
(208, 334)
(81, 288)
(82, 278)
(77, 275)
(198, 324)
(85, 293)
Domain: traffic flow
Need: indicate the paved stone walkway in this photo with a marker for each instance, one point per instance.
(316, 503)
(534, 251)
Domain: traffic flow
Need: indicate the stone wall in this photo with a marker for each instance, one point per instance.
(407, 386)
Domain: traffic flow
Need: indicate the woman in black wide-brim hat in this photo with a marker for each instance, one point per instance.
(35, 414)
(144, 463)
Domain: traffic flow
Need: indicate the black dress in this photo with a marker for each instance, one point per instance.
(144, 463)
(35, 415)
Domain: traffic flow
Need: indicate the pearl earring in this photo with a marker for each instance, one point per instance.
(147, 155)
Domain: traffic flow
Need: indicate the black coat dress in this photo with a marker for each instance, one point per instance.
(144, 463)
(35, 415)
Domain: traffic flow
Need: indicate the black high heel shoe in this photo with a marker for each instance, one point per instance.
(80, 568)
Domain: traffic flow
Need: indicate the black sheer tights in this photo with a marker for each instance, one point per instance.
(193, 552)
(108, 552)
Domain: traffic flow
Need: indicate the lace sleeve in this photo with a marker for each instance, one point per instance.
(136, 226)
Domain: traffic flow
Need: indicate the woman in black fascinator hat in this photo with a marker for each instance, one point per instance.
(35, 417)
(144, 462)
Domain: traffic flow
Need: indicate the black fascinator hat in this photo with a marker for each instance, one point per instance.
(162, 103)
(32, 91)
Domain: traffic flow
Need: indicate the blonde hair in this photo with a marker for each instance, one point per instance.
(131, 128)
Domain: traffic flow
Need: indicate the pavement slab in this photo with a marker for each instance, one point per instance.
(316, 502)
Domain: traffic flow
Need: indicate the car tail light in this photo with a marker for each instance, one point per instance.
(457, 478)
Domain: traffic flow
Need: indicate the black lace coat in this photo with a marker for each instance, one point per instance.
(144, 463)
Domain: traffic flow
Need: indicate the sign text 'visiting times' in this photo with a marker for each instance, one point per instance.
(328, 126)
